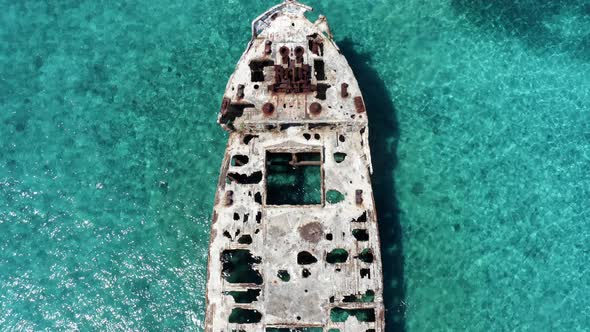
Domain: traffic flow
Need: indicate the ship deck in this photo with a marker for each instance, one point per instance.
(294, 236)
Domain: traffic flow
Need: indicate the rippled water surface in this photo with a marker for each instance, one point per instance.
(109, 156)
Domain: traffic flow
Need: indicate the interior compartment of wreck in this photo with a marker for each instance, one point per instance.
(294, 237)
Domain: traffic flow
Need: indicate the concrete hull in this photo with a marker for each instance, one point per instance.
(294, 236)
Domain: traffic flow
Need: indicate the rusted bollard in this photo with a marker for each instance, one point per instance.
(299, 51)
(359, 196)
(359, 104)
(268, 108)
(241, 91)
(315, 108)
(229, 198)
(344, 90)
(284, 51)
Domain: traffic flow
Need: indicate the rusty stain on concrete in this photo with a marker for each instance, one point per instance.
(275, 266)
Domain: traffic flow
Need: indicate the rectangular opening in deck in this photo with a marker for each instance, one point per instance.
(238, 267)
(257, 69)
(293, 178)
(319, 68)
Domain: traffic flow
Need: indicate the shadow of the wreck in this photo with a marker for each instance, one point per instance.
(383, 136)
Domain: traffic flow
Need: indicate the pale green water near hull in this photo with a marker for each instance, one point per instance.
(109, 157)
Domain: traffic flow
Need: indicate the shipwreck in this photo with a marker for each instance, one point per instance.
(294, 239)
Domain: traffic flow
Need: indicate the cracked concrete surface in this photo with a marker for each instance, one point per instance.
(303, 263)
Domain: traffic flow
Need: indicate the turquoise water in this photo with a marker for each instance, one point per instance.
(109, 157)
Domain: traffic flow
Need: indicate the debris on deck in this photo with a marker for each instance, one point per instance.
(294, 237)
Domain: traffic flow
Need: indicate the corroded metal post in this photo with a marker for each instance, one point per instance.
(294, 237)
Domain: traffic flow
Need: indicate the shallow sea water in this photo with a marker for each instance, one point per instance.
(109, 156)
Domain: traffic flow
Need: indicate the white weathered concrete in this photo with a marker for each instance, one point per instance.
(284, 231)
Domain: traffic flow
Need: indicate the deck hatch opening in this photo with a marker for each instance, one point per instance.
(334, 197)
(231, 111)
(238, 267)
(248, 138)
(257, 69)
(293, 178)
(366, 273)
(305, 258)
(367, 297)
(247, 296)
(258, 198)
(239, 160)
(339, 157)
(337, 256)
(318, 66)
(239, 178)
(284, 275)
(245, 239)
(244, 316)
(305, 273)
(366, 256)
(360, 234)
(361, 218)
(321, 91)
(340, 315)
